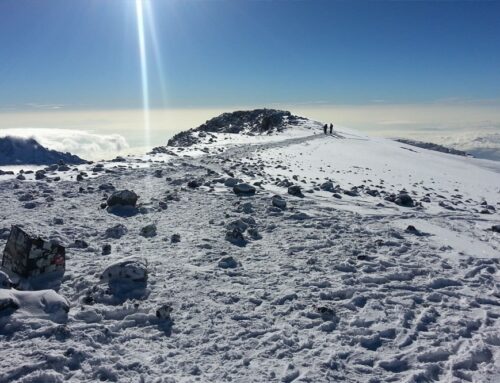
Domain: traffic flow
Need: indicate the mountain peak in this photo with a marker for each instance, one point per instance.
(257, 121)
(24, 151)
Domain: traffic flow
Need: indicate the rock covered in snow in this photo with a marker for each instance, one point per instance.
(127, 271)
(46, 304)
(257, 121)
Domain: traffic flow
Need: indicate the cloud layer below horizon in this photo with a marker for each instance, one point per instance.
(85, 144)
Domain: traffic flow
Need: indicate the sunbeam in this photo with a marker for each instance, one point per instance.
(151, 25)
(139, 5)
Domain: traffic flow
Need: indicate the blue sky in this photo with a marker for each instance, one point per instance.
(83, 54)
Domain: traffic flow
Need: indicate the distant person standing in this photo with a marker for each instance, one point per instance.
(325, 128)
(331, 128)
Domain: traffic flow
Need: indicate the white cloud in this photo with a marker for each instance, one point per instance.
(85, 144)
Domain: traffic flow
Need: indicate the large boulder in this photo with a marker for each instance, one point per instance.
(123, 198)
(30, 256)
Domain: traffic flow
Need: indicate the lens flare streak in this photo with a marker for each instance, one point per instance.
(144, 70)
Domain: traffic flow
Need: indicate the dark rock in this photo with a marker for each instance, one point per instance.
(175, 238)
(108, 187)
(279, 202)
(227, 263)
(405, 200)
(231, 182)
(244, 189)
(149, 231)
(327, 186)
(236, 237)
(106, 249)
(495, 228)
(40, 174)
(296, 191)
(116, 232)
(122, 198)
(80, 244)
(193, 184)
(163, 313)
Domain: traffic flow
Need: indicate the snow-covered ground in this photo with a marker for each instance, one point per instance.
(331, 288)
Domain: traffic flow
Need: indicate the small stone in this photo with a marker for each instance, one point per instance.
(149, 231)
(193, 184)
(116, 232)
(227, 263)
(175, 238)
(279, 202)
(106, 249)
(404, 200)
(296, 191)
(164, 312)
(244, 189)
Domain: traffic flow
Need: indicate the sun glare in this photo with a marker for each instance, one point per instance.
(139, 7)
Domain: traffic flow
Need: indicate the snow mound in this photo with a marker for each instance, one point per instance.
(42, 304)
(21, 151)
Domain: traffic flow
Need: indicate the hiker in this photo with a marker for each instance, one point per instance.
(331, 128)
(325, 127)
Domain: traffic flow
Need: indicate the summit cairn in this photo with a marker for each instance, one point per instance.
(30, 256)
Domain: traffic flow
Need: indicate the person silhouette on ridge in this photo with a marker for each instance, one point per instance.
(331, 128)
(325, 127)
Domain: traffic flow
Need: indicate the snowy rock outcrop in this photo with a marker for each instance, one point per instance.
(258, 121)
(21, 151)
(126, 272)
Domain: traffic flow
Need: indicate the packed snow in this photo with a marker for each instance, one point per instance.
(293, 256)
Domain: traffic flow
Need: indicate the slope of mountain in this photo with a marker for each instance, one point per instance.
(24, 151)
(342, 258)
(432, 146)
